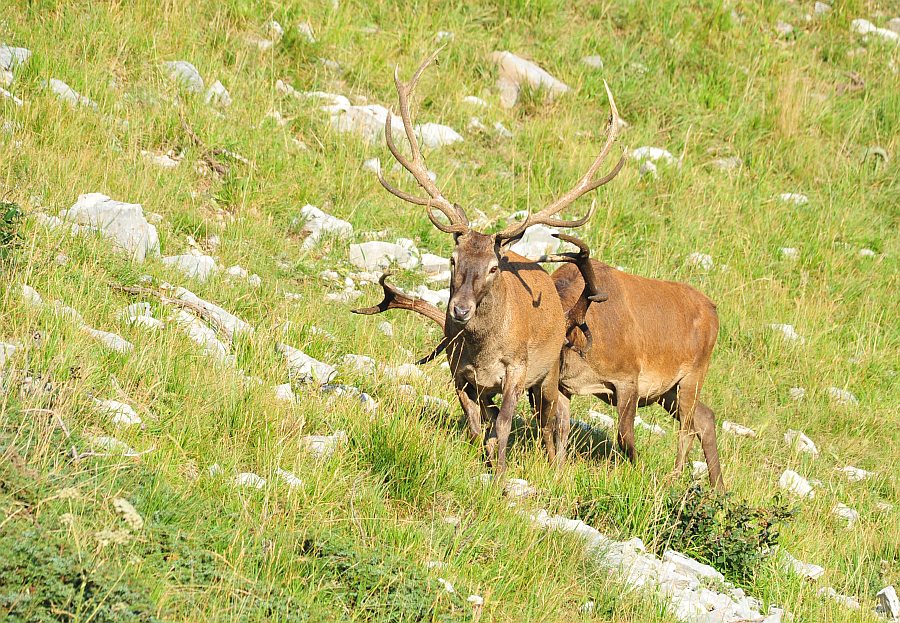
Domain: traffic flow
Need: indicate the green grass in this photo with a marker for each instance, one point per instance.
(351, 543)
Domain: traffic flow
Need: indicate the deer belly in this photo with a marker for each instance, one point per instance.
(579, 379)
(652, 385)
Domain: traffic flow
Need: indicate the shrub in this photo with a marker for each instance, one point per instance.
(10, 218)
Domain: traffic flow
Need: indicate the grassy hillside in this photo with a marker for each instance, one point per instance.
(815, 112)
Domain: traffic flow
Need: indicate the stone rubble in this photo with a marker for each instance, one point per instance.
(69, 95)
(185, 74)
(203, 336)
(378, 255)
(865, 27)
(788, 331)
(797, 199)
(323, 446)
(218, 95)
(119, 413)
(854, 474)
(304, 29)
(653, 429)
(164, 161)
(318, 224)
(516, 72)
(193, 265)
(113, 446)
(303, 368)
(438, 298)
(841, 510)
(123, 223)
(794, 483)
(800, 442)
(887, 602)
(700, 260)
(829, 593)
(475, 101)
(842, 396)
(737, 429)
(601, 419)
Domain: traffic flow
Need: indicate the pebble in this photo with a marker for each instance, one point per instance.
(249, 479)
(185, 74)
(218, 95)
(515, 72)
(519, 488)
(123, 223)
(842, 396)
(737, 429)
(854, 474)
(323, 446)
(700, 260)
(799, 441)
(794, 483)
(797, 199)
(69, 95)
(788, 331)
(405, 371)
(699, 470)
(797, 393)
(846, 513)
(887, 602)
(476, 600)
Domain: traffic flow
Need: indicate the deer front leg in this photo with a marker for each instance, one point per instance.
(469, 402)
(513, 386)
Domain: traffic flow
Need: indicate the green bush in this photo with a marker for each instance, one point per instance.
(10, 218)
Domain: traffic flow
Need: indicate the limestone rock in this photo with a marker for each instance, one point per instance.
(289, 478)
(794, 483)
(10, 57)
(123, 223)
(110, 340)
(833, 595)
(516, 72)
(202, 335)
(185, 74)
(119, 413)
(378, 255)
(803, 569)
(653, 154)
(285, 393)
(842, 396)
(593, 61)
(788, 331)
(231, 324)
(854, 474)
(218, 95)
(887, 602)
(851, 516)
(249, 479)
(800, 442)
(319, 224)
(323, 446)
(359, 363)
(737, 429)
(199, 267)
(700, 260)
(69, 95)
(798, 199)
(537, 241)
(865, 27)
(304, 368)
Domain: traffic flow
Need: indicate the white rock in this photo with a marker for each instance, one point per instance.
(587, 607)
(833, 595)
(865, 27)
(788, 331)
(867, 253)
(820, 8)
(730, 163)
(783, 29)
(476, 600)
(114, 446)
(6, 352)
(6, 78)
(699, 470)
(347, 296)
(304, 368)
(284, 393)
(274, 30)
(378, 255)
(475, 125)
(800, 442)
(516, 72)
(218, 95)
(123, 223)
(249, 479)
(654, 429)
(435, 564)
(164, 161)
(31, 297)
(653, 154)
(790, 253)
(475, 101)
(842, 396)
(435, 402)
(447, 585)
(323, 446)
(304, 29)
(737, 429)
(373, 165)
(320, 224)
(854, 474)
(797, 393)
(519, 488)
(202, 335)
(215, 470)
(700, 260)
(887, 602)
(185, 74)
(846, 513)
(434, 135)
(10, 57)
(594, 61)
(404, 371)
(4, 94)
(601, 419)
(231, 324)
(794, 483)
(797, 199)
(803, 569)
(894, 24)
(443, 35)
(69, 95)
(198, 267)
(434, 264)
(70, 313)
(386, 328)
(689, 566)
(119, 413)
(648, 169)
(502, 130)
(289, 478)
(538, 240)
(112, 341)
(359, 363)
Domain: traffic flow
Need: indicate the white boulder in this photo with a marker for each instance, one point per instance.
(185, 74)
(203, 336)
(119, 413)
(218, 95)
(231, 324)
(69, 95)
(538, 240)
(378, 255)
(10, 57)
(865, 27)
(199, 266)
(842, 511)
(249, 479)
(110, 340)
(794, 483)
(516, 72)
(800, 442)
(319, 224)
(323, 446)
(887, 603)
(737, 429)
(123, 223)
(304, 368)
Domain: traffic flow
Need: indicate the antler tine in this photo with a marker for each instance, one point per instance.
(417, 166)
(585, 185)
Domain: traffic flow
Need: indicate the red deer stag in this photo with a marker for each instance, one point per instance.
(504, 327)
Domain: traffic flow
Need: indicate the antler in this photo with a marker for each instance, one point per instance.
(458, 222)
(586, 184)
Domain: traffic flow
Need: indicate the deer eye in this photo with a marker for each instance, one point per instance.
(494, 269)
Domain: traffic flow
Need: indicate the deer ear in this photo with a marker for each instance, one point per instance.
(502, 245)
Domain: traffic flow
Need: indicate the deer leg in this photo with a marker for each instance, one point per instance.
(513, 386)
(705, 425)
(489, 413)
(563, 425)
(543, 400)
(468, 400)
(626, 404)
(688, 397)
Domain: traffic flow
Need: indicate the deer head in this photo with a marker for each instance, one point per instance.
(478, 258)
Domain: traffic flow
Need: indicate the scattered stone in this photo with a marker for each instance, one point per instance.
(820, 8)
(323, 446)
(185, 74)
(700, 260)
(386, 328)
(113, 446)
(502, 130)
(274, 30)
(699, 470)
(842, 396)
(601, 419)
(447, 585)
(359, 363)
(319, 224)
(594, 62)
(475, 101)
(165, 161)
(304, 29)
(218, 95)
(436, 403)
(515, 72)
(790, 253)
(794, 483)
(377, 255)
(403, 372)
(10, 57)
(653, 154)
(865, 27)
(119, 413)
(784, 29)
(202, 335)
(803, 569)
(730, 163)
(289, 478)
(476, 600)
(199, 267)
(797, 393)
(229, 323)
(587, 607)
(285, 393)
(434, 135)
(452, 520)
(798, 199)
(123, 223)
(519, 488)
(128, 513)
(854, 474)
(648, 169)
(6, 353)
(249, 479)
(69, 95)
(112, 341)
(653, 429)
(799, 441)
(846, 513)
(867, 253)
(475, 125)
(689, 566)
(828, 592)
(443, 35)
(31, 297)
(538, 240)
(434, 264)
(7, 95)
(887, 603)
(884, 507)
(304, 368)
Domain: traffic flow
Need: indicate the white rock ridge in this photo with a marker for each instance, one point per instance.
(516, 72)
(123, 223)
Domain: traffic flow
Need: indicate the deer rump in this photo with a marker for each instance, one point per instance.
(649, 342)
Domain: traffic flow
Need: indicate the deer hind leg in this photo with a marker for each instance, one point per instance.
(705, 425)
(688, 395)
(513, 386)
(626, 404)
(563, 425)
(544, 400)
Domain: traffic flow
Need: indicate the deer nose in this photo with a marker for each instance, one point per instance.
(461, 313)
